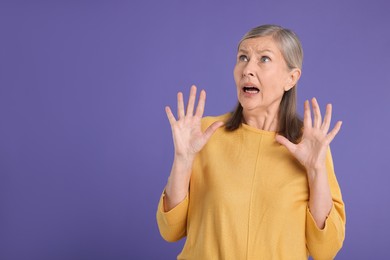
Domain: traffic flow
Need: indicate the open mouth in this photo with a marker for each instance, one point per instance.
(251, 90)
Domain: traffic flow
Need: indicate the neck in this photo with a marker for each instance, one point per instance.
(265, 120)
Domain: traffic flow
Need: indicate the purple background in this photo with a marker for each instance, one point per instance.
(85, 146)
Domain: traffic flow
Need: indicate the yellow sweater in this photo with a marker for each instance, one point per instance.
(248, 199)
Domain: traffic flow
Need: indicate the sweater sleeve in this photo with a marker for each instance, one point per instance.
(172, 224)
(325, 243)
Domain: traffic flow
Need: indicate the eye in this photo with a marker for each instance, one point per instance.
(265, 59)
(243, 58)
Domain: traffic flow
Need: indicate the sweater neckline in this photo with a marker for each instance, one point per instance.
(259, 131)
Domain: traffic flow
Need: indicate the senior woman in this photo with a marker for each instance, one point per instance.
(257, 183)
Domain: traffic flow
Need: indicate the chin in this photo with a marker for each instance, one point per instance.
(249, 108)
(249, 104)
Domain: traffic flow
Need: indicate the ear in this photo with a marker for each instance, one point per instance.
(292, 79)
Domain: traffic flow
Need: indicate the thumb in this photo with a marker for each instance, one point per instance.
(284, 141)
(211, 129)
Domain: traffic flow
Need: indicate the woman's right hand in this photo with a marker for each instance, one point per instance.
(188, 137)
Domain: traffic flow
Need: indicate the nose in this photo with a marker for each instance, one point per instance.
(248, 70)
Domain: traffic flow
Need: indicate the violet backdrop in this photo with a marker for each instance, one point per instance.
(85, 146)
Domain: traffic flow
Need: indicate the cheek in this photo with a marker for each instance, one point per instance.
(277, 82)
(274, 89)
(236, 73)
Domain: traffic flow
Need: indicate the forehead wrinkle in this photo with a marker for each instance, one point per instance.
(256, 49)
(266, 50)
(259, 45)
(242, 50)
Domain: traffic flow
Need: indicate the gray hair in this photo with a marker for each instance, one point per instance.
(290, 124)
(286, 40)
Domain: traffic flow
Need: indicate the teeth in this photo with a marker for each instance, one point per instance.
(251, 90)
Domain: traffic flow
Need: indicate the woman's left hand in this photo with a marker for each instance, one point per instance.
(311, 150)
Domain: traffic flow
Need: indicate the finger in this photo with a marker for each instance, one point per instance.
(180, 105)
(307, 115)
(191, 101)
(211, 130)
(332, 134)
(284, 141)
(170, 116)
(201, 104)
(327, 119)
(317, 113)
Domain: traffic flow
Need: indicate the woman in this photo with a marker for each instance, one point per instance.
(263, 186)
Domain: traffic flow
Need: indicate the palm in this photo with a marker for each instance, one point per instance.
(311, 150)
(188, 136)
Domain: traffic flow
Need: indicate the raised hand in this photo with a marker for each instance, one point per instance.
(188, 139)
(311, 150)
(187, 134)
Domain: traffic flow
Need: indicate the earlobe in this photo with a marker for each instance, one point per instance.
(293, 78)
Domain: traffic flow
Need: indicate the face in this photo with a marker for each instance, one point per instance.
(261, 75)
